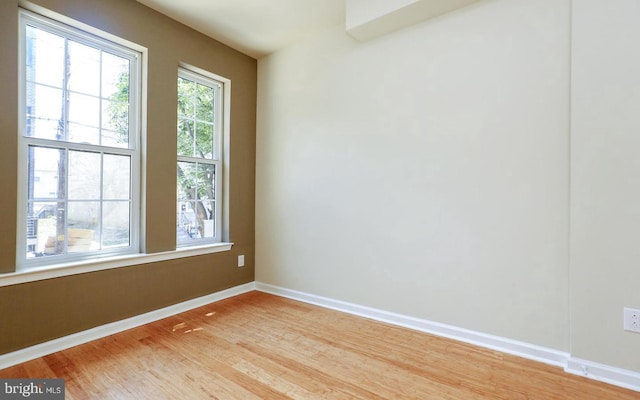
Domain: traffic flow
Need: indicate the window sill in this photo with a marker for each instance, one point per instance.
(59, 270)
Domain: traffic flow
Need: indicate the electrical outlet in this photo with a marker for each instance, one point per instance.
(241, 260)
(631, 320)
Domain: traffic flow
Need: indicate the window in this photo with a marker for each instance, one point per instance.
(79, 142)
(199, 166)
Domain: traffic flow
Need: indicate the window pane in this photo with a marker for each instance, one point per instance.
(42, 128)
(116, 223)
(185, 137)
(115, 77)
(42, 225)
(115, 107)
(186, 222)
(84, 175)
(84, 226)
(84, 110)
(45, 165)
(204, 103)
(206, 181)
(45, 104)
(114, 139)
(186, 97)
(204, 140)
(83, 134)
(206, 219)
(51, 227)
(117, 172)
(44, 57)
(186, 180)
(84, 69)
(115, 117)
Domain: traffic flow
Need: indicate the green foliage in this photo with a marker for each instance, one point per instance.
(118, 109)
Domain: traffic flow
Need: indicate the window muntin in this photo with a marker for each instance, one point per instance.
(199, 140)
(79, 133)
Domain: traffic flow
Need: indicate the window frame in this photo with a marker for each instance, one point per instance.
(219, 159)
(103, 42)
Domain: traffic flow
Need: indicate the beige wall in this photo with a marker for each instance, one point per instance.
(605, 180)
(425, 172)
(481, 169)
(39, 311)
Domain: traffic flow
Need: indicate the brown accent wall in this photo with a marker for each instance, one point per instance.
(35, 312)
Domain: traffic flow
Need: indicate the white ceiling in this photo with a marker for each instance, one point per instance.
(255, 27)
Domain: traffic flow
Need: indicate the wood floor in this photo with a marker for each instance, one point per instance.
(259, 346)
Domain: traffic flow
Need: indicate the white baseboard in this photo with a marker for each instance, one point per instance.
(604, 373)
(43, 349)
(600, 372)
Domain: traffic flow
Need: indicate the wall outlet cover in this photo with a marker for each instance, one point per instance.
(631, 320)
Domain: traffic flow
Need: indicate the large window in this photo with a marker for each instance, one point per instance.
(79, 141)
(200, 118)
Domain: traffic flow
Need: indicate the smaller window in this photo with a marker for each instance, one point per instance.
(199, 159)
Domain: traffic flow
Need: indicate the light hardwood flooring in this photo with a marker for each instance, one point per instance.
(259, 346)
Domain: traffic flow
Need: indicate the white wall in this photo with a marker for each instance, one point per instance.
(605, 180)
(425, 172)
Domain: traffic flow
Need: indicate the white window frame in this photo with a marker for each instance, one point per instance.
(102, 41)
(221, 87)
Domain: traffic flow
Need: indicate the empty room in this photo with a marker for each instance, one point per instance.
(320, 199)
